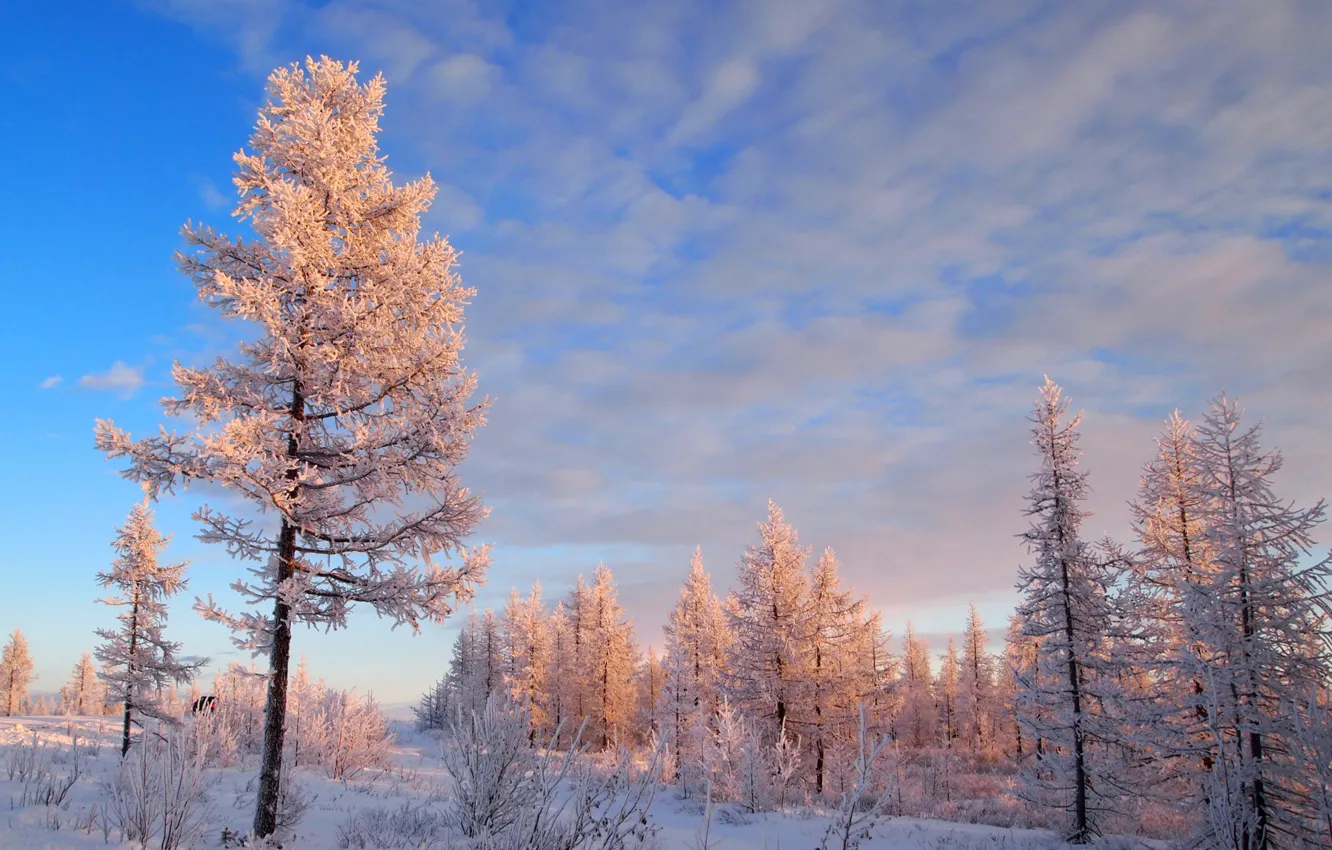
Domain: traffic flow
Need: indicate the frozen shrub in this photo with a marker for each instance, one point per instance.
(407, 827)
(159, 796)
(860, 807)
(492, 768)
(507, 795)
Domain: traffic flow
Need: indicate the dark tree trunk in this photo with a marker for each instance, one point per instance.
(1081, 833)
(129, 675)
(275, 711)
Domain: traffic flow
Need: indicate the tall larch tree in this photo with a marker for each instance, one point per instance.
(1160, 637)
(612, 658)
(482, 674)
(651, 695)
(560, 669)
(917, 720)
(976, 689)
(15, 673)
(348, 414)
(767, 615)
(947, 683)
(1260, 616)
(140, 659)
(878, 672)
(580, 679)
(1065, 607)
(527, 650)
(698, 640)
(83, 694)
(834, 619)
(1019, 663)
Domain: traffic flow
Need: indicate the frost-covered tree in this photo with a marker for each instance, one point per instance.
(433, 711)
(1258, 617)
(835, 625)
(976, 688)
(562, 670)
(1019, 662)
(526, 632)
(576, 679)
(917, 721)
(612, 659)
(1160, 637)
(767, 676)
(1065, 608)
(302, 741)
(15, 673)
(346, 417)
(651, 695)
(83, 694)
(141, 660)
(878, 671)
(476, 668)
(698, 638)
(947, 685)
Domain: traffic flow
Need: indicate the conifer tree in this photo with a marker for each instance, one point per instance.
(878, 672)
(141, 660)
(1260, 618)
(835, 622)
(561, 669)
(917, 720)
(348, 414)
(577, 679)
(527, 655)
(651, 694)
(1019, 662)
(302, 742)
(767, 675)
(946, 692)
(477, 668)
(15, 674)
(975, 691)
(1065, 607)
(1161, 640)
(612, 658)
(698, 639)
(84, 693)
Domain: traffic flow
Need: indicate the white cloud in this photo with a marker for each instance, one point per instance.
(51, 382)
(121, 379)
(729, 86)
(463, 78)
(211, 196)
(386, 40)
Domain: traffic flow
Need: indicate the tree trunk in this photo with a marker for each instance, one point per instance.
(275, 711)
(1081, 834)
(818, 723)
(129, 674)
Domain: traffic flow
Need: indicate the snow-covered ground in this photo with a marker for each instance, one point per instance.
(86, 751)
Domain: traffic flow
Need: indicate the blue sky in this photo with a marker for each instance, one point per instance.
(820, 252)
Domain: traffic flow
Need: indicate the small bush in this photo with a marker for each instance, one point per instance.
(405, 828)
(159, 793)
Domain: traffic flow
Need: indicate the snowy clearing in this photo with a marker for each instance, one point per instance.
(38, 754)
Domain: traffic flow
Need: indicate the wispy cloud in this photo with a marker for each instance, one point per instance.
(122, 379)
(211, 196)
(51, 382)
